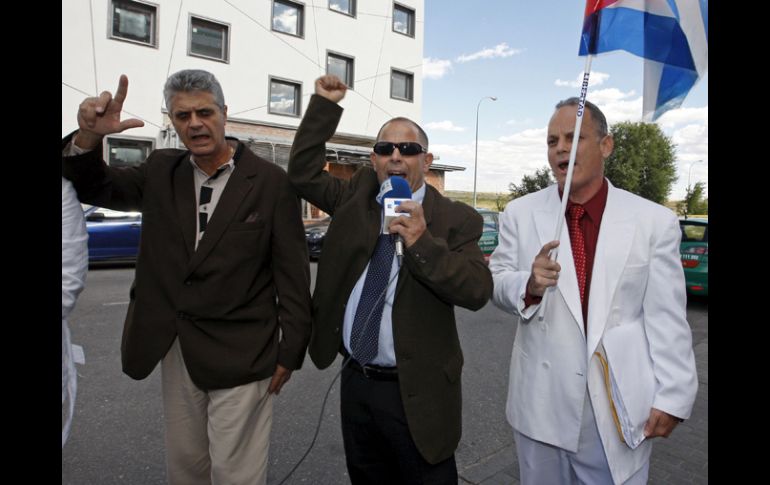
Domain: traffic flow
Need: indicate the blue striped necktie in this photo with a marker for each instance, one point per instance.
(364, 341)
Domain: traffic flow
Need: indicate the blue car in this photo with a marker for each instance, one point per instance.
(112, 235)
(315, 232)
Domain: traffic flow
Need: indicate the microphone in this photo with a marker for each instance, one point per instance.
(393, 191)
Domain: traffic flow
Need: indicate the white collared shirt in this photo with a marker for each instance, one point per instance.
(386, 355)
(216, 183)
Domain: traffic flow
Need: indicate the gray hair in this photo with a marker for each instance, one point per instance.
(423, 137)
(600, 121)
(193, 80)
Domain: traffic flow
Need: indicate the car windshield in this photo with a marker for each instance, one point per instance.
(490, 224)
(694, 232)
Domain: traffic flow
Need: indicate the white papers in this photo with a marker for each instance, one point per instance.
(632, 379)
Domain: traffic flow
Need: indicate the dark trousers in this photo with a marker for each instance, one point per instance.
(378, 446)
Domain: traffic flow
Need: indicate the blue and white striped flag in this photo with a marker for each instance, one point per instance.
(671, 35)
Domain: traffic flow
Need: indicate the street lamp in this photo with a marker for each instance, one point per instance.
(690, 172)
(689, 189)
(476, 157)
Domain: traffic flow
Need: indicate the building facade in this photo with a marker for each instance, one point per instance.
(265, 53)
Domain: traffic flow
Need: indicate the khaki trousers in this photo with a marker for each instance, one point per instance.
(214, 437)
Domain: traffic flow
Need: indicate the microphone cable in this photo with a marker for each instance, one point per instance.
(337, 375)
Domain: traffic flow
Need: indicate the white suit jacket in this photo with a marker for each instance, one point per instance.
(636, 313)
(74, 266)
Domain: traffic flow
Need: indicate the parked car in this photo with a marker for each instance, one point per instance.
(488, 241)
(694, 251)
(112, 235)
(315, 232)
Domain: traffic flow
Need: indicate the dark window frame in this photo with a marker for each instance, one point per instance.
(300, 23)
(351, 62)
(410, 84)
(412, 13)
(349, 14)
(115, 141)
(204, 20)
(297, 99)
(151, 8)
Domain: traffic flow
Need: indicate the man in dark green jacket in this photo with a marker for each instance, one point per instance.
(221, 296)
(401, 409)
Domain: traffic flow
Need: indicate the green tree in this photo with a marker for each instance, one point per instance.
(643, 161)
(693, 202)
(531, 183)
(500, 202)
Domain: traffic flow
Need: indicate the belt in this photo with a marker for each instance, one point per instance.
(374, 372)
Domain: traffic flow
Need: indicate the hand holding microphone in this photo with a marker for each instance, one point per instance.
(403, 216)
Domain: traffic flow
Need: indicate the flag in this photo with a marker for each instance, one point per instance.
(671, 35)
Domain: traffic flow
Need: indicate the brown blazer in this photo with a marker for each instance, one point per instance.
(228, 300)
(445, 267)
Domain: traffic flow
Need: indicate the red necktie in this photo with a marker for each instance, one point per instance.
(576, 211)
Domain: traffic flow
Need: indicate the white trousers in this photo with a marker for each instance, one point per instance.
(544, 464)
(214, 437)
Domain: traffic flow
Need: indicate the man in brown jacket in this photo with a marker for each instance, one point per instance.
(401, 409)
(221, 294)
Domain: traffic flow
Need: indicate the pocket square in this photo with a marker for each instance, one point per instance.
(252, 217)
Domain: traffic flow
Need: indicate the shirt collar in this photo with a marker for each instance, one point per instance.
(419, 195)
(595, 205)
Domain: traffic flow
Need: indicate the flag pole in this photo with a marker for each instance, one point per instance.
(568, 182)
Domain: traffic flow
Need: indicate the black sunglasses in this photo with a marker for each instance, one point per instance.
(405, 148)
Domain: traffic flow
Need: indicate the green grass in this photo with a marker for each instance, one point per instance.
(485, 200)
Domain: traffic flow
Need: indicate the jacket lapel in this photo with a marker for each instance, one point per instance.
(238, 186)
(184, 199)
(428, 203)
(616, 236)
(545, 220)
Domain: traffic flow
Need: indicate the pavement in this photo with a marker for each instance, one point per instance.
(682, 458)
(117, 432)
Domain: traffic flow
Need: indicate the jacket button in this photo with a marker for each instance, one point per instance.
(188, 283)
(336, 329)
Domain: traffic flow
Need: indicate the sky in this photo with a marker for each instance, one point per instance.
(524, 53)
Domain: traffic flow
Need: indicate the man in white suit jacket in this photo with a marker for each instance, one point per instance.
(629, 334)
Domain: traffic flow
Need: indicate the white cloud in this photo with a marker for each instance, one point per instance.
(692, 145)
(500, 162)
(435, 68)
(508, 158)
(500, 50)
(445, 125)
(681, 116)
(525, 121)
(595, 79)
(286, 21)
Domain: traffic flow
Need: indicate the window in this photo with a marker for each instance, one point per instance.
(343, 6)
(288, 17)
(403, 20)
(126, 152)
(209, 39)
(401, 85)
(285, 97)
(341, 66)
(134, 21)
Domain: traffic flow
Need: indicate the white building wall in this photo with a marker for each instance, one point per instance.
(256, 53)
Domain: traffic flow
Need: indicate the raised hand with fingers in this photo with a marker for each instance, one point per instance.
(100, 116)
(330, 87)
